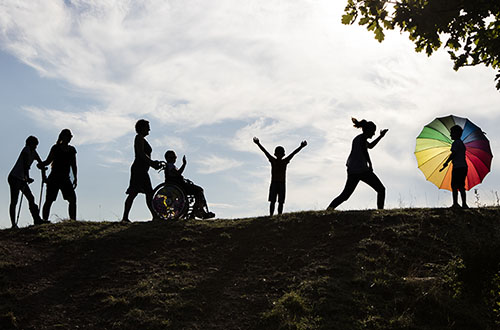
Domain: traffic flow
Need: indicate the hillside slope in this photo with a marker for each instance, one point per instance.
(392, 269)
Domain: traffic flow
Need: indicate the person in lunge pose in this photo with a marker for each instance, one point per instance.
(459, 171)
(174, 175)
(19, 179)
(279, 163)
(359, 164)
(62, 158)
(140, 181)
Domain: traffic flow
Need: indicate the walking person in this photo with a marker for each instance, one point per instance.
(62, 160)
(359, 164)
(140, 181)
(19, 181)
(277, 189)
(460, 168)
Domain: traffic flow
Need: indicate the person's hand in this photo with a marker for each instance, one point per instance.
(29, 180)
(442, 168)
(256, 140)
(74, 183)
(383, 132)
(184, 161)
(41, 166)
(155, 164)
(303, 143)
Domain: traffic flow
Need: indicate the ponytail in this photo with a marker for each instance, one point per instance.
(363, 124)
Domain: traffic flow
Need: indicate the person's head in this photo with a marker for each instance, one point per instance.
(456, 132)
(279, 152)
(170, 157)
(142, 127)
(64, 137)
(32, 142)
(368, 127)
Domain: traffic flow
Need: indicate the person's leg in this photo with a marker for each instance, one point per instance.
(14, 197)
(149, 199)
(273, 194)
(35, 212)
(280, 208)
(50, 197)
(350, 185)
(464, 202)
(72, 209)
(454, 194)
(128, 205)
(271, 208)
(69, 195)
(373, 181)
(281, 196)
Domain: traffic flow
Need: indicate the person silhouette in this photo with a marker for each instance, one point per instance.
(277, 188)
(19, 179)
(359, 164)
(62, 158)
(460, 168)
(140, 182)
(174, 175)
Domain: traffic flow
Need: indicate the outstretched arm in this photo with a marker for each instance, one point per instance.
(445, 164)
(257, 142)
(299, 148)
(374, 142)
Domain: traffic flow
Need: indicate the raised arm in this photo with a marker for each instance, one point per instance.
(299, 148)
(372, 144)
(257, 142)
(183, 166)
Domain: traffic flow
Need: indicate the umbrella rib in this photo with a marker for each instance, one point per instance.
(428, 160)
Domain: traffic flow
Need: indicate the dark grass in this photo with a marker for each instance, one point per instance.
(393, 269)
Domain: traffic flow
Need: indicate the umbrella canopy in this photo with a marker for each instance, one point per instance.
(433, 148)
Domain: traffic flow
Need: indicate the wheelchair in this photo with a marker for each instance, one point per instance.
(170, 202)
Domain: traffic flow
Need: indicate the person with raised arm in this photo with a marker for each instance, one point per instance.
(279, 162)
(359, 164)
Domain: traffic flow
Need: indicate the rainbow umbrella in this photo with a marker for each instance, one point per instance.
(433, 148)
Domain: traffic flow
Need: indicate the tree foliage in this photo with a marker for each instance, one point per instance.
(468, 29)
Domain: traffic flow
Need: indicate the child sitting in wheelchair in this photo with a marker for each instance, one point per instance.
(174, 175)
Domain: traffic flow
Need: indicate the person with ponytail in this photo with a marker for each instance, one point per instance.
(62, 159)
(359, 164)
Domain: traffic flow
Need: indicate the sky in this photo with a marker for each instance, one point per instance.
(209, 76)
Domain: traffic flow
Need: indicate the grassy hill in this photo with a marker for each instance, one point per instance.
(393, 269)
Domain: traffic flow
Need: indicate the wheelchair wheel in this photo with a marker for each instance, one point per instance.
(169, 201)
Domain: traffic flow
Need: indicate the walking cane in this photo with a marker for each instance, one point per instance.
(44, 178)
(19, 210)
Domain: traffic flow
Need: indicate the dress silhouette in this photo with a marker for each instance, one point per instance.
(140, 182)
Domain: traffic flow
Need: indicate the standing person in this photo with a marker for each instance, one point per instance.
(19, 179)
(139, 176)
(277, 188)
(62, 158)
(459, 171)
(359, 164)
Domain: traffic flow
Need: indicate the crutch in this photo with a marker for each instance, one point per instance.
(20, 203)
(44, 178)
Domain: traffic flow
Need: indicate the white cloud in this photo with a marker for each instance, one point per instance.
(213, 164)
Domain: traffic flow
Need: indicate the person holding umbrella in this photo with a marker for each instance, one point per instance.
(459, 172)
(359, 164)
(19, 179)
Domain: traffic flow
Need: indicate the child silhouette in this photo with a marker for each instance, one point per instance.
(277, 188)
(174, 175)
(459, 171)
(359, 164)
